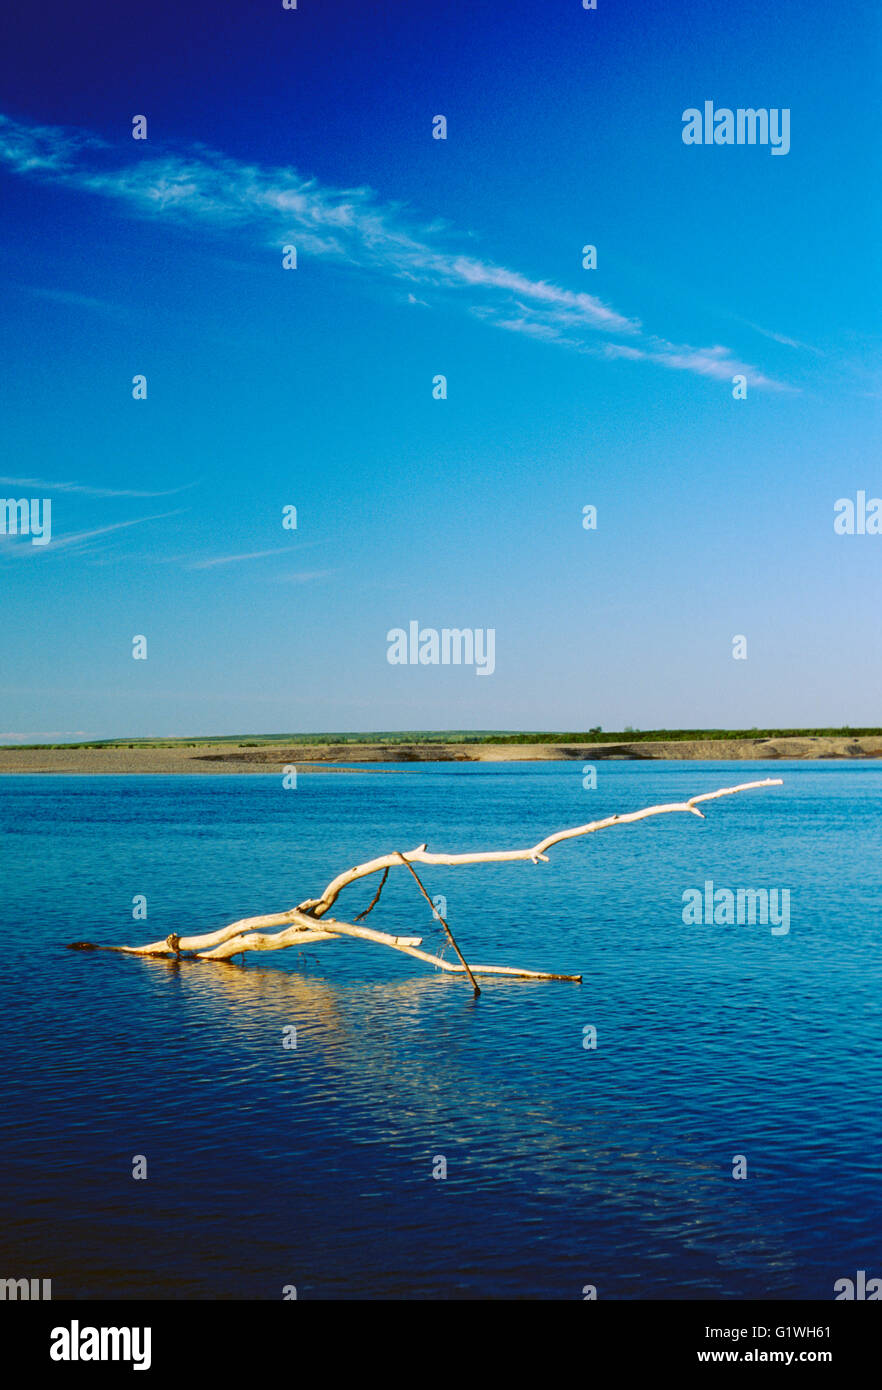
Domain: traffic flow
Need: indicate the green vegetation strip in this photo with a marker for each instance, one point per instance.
(463, 736)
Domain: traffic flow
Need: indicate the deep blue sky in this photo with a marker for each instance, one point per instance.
(416, 257)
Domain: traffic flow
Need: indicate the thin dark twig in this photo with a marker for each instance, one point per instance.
(376, 898)
(444, 924)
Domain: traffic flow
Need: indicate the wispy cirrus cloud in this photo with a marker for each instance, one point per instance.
(783, 339)
(20, 547)
(71, 298)
(41, 485)
(353, 226)
(207, 562)
(43, 148)
(237, 559)
(716, 362)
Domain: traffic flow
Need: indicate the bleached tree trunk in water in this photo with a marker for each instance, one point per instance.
(308, 922)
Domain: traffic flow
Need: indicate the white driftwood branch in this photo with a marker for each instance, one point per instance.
(301, 924)
(408, 946)
(317, 907)
(196, 943)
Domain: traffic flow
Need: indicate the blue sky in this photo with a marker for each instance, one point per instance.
(313, 388)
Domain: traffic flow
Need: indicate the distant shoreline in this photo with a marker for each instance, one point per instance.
(205, 757)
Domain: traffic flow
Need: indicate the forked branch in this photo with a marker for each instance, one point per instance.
(308, 923)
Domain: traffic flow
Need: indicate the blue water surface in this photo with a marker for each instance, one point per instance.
(567, 1166)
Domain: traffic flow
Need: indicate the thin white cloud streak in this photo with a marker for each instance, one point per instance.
(783, 339)
(352, 226)
(715, 362)
(70, 298)
(21, 547)
(236, 559)
(42, 485)
(204, 562)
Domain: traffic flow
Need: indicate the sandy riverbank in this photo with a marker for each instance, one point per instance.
(231, 757)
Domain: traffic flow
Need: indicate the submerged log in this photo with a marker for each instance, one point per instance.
(307, 922)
